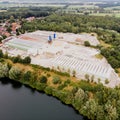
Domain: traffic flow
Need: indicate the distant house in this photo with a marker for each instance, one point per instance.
(7, 34)
(4, 32)
(2, 29)
(30, 19)
(14, 27)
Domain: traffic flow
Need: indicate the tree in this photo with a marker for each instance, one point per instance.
(27, 60)
(4, 36)
(12, 19)
(80, 98)
(68, 70)
(99, 80)
(17, 33)
(58, 68)
(106, 81)
(86, 43)
(27, 76)
(87, 77)
(4, 70)
(111, 111)
(114, 62)
(1, 39)
(92, 78)
(15, 73)
(74, 73)
(86, 13)
(6, 55)
(56, 80)
(33, 77)
(1, 54)
(90, 109)
(100, 113)
(48, 90)
(118, 107)
(43, 79)
(9, 29)
(17, 59)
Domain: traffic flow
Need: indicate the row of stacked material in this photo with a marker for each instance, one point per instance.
(22, 44)
(82, 68)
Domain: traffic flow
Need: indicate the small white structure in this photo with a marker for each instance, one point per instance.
(32, 51)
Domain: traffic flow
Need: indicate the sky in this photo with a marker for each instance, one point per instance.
(56, 1)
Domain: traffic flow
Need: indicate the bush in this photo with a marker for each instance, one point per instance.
(106, 81)
(43, 79)
(48, 90)
(4, 70)
(27, 60)
(6, 55)
(15, 73)
(56, 80)
(48, 75)
(1, 54)
(40, 86)
(61, 73)
(43, 68)
(86, 43)
(67, 82)
(16, 59)
(27, 76)
(2, 60)
(61, 86)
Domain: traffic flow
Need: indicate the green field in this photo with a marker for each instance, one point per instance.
(82, 6)
(113, 8)
(29, 5)
(106, 14)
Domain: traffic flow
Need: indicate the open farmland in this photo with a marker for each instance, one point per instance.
(82, 6)
(106, 14)
(8, 5)
(112, 8)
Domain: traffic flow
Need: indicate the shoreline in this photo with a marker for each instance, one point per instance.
(28, 85)
(83, 96)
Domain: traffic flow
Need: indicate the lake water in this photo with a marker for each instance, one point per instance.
(18, 102)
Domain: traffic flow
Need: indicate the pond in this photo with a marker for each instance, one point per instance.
(18, 102)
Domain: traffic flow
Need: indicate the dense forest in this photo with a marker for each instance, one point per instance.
(107, 29)
(75, 24)
(24, 12)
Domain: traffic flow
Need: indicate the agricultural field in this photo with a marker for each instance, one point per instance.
(92, 9)
(89, 8)
(82, 6)
(112, 8)
(9, 5)
(106, 14)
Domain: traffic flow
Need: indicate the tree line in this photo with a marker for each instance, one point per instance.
(25, 12)
(15, 59)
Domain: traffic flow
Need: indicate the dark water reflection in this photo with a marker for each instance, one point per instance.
(18, 102)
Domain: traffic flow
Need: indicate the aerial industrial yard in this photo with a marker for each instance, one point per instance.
(64, 52)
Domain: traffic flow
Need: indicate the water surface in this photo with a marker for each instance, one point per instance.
(18, 102)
